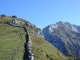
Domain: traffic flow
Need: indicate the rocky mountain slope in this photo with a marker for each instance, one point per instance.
(18, 37)
(64, 36)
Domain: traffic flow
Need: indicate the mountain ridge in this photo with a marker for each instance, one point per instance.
(65, 37)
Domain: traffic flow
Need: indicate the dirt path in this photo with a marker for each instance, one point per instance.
(20, 36)
(16, 50)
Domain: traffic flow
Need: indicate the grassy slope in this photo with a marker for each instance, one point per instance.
(44, 51)
(10, 39)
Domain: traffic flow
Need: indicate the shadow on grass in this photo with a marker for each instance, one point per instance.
(25, 57)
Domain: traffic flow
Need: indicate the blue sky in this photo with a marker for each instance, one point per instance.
(43, 12)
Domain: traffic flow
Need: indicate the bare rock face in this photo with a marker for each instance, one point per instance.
(64, 36)
(37, 32)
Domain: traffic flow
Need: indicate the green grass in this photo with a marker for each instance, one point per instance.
(42, 49)
(5, 19)
(10, 39)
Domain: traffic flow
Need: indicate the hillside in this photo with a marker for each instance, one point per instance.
(44, 51)
(13, 40)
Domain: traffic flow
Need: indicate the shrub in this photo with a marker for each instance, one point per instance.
(3, 15)
(14, 16)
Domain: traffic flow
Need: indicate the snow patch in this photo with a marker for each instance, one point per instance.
(52, 27)
(74, 29)
(68, 25)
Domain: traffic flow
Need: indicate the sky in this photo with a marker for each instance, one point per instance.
(43, 12)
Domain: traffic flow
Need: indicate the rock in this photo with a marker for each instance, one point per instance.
(16, 22)
(30, 24)
(19, 23)
(37, 32)
(29, 44)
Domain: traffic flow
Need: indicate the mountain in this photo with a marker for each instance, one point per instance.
(22, 40)
(65, 37)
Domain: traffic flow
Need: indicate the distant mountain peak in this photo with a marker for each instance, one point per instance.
(60, 22)
(64, 36)
(53, 26)
(65, 25)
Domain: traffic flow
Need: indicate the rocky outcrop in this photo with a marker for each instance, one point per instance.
(37, 32)
(20, 23)
(64, 36)
(30, 24)
(16, 22)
